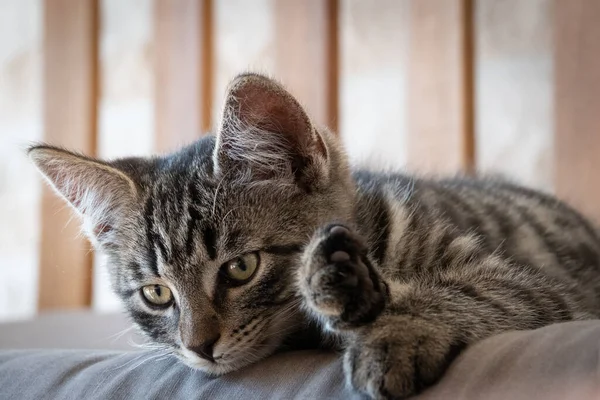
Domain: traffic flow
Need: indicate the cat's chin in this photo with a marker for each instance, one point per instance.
(209, 368)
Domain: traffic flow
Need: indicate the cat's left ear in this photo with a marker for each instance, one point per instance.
(266, 134)
(100, 193)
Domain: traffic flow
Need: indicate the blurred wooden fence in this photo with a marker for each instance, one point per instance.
(443, 42)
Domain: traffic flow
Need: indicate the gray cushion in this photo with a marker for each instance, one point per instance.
(77, 329)
(556, 362)
(79, 374)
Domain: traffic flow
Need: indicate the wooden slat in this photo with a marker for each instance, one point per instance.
(183, 71)
(440, 86)
(306, 41)
(70, 97)
(577, 103)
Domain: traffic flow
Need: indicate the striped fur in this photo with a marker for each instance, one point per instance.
(405, 271)
(457, 260)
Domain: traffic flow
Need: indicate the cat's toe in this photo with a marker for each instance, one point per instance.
(338, 281)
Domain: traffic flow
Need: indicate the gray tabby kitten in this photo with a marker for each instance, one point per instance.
(227, 247)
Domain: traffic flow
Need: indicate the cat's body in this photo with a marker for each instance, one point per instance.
(408, 223)
(224, 249)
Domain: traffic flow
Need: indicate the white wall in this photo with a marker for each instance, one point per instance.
(373, 85)
(20, 124)
(514, 76)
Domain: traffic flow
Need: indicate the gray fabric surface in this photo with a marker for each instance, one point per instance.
(78, 374)
(556, 362)
(80, 329)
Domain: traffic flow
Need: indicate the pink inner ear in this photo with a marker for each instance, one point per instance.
(266, 105)
(72, 194)
(76, 201)
(101, 229)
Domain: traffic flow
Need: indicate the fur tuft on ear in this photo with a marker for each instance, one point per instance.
(266, 134)
(100, 193)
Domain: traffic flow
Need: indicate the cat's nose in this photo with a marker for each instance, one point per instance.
(205, 350)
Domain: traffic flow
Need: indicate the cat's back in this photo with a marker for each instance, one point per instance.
(525, 225)
(491, 206)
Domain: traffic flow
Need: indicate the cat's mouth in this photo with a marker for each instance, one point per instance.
(228, 362)
(233, 357)
(212, 367)
(268, 335)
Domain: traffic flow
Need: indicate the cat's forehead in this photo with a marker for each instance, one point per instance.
(195, 216)
(190, 208)
(197, 201)
(188, 179)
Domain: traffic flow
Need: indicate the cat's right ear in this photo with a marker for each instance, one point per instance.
(265, 134)
(100, 193)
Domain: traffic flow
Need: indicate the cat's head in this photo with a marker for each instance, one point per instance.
(203, 243)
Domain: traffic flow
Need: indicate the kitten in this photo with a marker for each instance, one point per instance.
(223, 249)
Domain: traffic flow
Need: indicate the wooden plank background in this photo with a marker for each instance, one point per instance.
(440, 86)
(70, 79)
(183, 41)
(577, 103)
(306, 55)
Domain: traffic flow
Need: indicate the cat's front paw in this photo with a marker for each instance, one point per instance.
(338, 282)
(399, 356)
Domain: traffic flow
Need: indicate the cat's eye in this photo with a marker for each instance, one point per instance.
(241, 269)
(158, 295)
